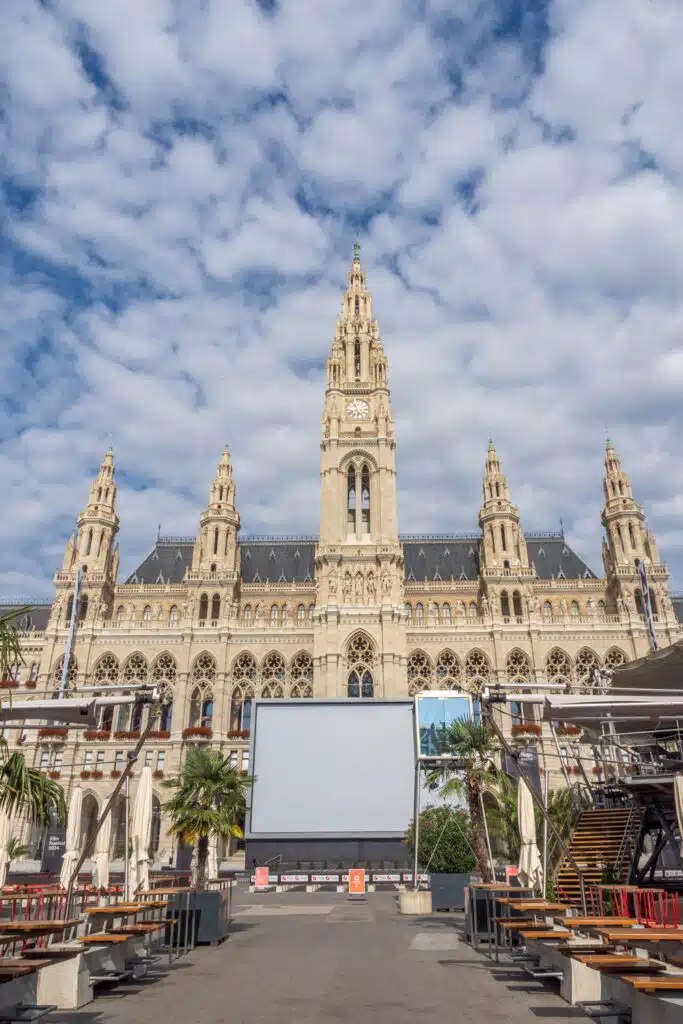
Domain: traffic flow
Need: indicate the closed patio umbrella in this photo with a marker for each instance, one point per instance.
(141, 833)
(100, 875)
(73, 837)
(678, 799)
(5, 825)
(530, 872)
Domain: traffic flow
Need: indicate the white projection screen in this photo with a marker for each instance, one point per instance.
(331, 768)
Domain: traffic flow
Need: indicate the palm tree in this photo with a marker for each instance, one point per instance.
(209, 798)
(473, 745)
(16, 849)
(23, 790)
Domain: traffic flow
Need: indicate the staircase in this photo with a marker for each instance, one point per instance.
(602, 844)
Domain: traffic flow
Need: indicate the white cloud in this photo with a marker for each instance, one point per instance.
(178, 258)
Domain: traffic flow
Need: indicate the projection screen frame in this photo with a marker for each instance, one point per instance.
(408, 702)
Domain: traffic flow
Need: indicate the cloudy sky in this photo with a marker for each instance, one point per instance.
(182, 183)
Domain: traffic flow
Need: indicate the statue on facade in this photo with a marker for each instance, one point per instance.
(630, 603)
(371, 588)
(564, 607)
(346, 588)
(131, 612)
(332, 583)
(460, 609)
(358, 590)
(103, 609)
(386, 583)
(621, 607)
(591, 606)
(158, 612)
(495, 607)
(485, 607)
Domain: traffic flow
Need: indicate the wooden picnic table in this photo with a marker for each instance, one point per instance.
(541, 908)
(112, 911)
(597, 922)
(515, 901)
(166, 892)
(37, 927)
(642, 934)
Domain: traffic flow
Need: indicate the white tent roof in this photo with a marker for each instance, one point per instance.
(69, 710)
(638, 711)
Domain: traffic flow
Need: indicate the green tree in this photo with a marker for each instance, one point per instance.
(445, 840)
(208, 800)
(473, 746)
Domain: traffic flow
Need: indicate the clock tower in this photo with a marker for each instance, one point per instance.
(359, 561)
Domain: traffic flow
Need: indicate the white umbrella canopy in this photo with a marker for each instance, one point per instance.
(530, 872)
(5, 825)
(100, 875)
(141, 833)
(73, 837)
(678, 798)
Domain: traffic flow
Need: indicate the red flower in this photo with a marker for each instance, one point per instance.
(115, 773)
(96, 734)
(53, 733)
(85, 774)
(197, 732)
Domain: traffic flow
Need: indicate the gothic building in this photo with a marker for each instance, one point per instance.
(359, 611)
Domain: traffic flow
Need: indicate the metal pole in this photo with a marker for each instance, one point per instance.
(559, 754)
(126, 856)
(416, 811)
(72, 630)
(545, 832)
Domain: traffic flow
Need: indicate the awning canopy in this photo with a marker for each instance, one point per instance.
(661, 670)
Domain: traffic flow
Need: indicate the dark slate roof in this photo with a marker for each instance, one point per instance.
(677, 603)
(276, 559)
(443, 559)
(291, 559)
(279, 561)
(36, 618)
(554, 559)
(167, 562)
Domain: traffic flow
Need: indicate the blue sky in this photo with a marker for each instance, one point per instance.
(181, 186)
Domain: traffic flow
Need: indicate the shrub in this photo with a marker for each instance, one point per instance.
(445, 840)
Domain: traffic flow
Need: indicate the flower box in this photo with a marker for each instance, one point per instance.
(97, 774)
(158, 774)
(53, 733)
(159, 734)
(197, 732)
(568, 730)
(127, 734)
(55, 775)
(596, 770)
(526, 729)
(9, 684)
(97, 734)
(575, 770)
(86, 774)
(31, 684)
(239, 734)
(115, 773)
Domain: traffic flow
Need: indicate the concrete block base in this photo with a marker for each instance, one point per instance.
(415, 902)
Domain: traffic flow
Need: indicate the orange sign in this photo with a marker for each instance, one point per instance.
(261, 878)
(357, 882)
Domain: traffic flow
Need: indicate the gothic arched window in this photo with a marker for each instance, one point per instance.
(504, 604)
(632, 536)
(446, 613)
(147, 613)
(300, 613)
(518, 667)
(586, 667)
(88, 547)
(356, 352)
(419, 613)
(351, 499)
(273, 675)
(173, 615)
(360, 659)
(477, 669)
(246, 614)
(273, 615)
(215, 541)
(365, 499)
(201, 707)
(640, 606)
(245, 675)
(503, 538)
(301, 675)
(547, 611)
(119, 615)
(558, 666)
(419, 672)
(203, 607)
(215, 607)
(83, 608)
(574, 610)
(517, 604)
(448, 671)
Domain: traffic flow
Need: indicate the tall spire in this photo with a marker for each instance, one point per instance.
(215, 548)
(357, 355)
(503, 544)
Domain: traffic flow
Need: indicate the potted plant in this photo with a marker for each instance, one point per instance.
(209, 798)
(197, 732)
(446, 849)
(85, 774)
(97, 773)
(159, 734)
(115, 773)
(31, 684)
(158, 774)
(96, 734)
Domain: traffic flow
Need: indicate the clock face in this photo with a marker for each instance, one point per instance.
(357, 409)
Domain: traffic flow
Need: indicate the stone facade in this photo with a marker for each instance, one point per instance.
(359, 611)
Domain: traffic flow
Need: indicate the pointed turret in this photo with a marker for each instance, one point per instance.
(629, 542)
(357, 355)
(215, 548)
(503, 544)
(93, 549)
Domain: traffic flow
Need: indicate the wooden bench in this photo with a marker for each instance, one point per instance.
(616, 962)
(597, 922)
(545, 934)
(662, 983)
(103, 938)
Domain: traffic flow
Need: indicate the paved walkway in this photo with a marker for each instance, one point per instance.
(306, 958)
